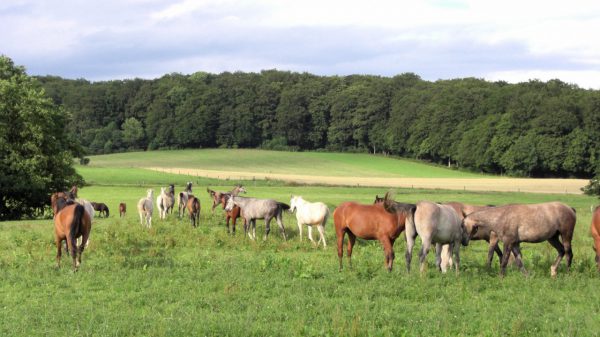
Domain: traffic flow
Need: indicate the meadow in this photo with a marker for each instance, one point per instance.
(174, 280)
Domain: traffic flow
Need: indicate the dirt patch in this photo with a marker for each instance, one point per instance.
(568, 186)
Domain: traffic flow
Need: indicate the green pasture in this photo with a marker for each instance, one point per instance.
(174, 280)
(261, 161)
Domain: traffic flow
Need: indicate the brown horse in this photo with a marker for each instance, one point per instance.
(462, 210)
(527, 223)
(221, 198)
(596, 234)
(193, 207)
(71, 222)
(370, 222)
(122, 209)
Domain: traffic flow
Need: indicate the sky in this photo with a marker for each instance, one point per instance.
(508, 40)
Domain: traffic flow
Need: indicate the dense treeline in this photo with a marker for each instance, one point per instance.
(532, 129)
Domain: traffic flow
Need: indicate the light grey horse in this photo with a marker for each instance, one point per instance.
(183, 199)
(252, 209)
(438, 224)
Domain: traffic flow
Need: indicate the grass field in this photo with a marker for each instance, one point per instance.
(173, 280)
(306, 163)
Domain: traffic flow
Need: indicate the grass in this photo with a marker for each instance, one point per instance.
(261, 161)
(173, 280)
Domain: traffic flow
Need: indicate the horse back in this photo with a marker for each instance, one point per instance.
(367, 221)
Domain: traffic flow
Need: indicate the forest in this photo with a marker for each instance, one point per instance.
(536, 128)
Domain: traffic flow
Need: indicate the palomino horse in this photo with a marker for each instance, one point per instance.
(253, 209)
(527, 223)
(122, 209)
(462, 210)
(370, 222)
(183, 199)
(71, 222)
(310, 214)
(101, 208)
(193, 207)
(596, 234)
(164, 202)
(145, 208)
(434, 223)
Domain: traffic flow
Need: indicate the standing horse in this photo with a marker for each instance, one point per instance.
(310, 214)
(163, 202)
(71, 221)
(101, 208)
(462, 210)
(527, 223)
(122, 209)
(145, 208)
(434, 223)
(252, 209)
(183, 199)
(596, 234)
(371, 222)
(193, 207)
(221, 198)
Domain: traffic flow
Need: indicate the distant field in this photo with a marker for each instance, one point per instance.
(305, 163)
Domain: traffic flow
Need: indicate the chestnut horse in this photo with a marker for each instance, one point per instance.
(193, 207)
(71, 222)
(122, 209)
(370, 222)
(596, 234)
(221, 198)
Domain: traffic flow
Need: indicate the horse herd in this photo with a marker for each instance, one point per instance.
(445, 226)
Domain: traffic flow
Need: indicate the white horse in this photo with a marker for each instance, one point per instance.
(145, 208)
(310, 214)
(438, 224)
(162, 203)
(183, 199)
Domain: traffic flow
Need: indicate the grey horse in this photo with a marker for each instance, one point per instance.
(253, 208)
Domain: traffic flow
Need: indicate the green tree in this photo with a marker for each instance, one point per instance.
(36, 153)
(133, 132)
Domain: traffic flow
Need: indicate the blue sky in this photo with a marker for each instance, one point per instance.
(115, 39)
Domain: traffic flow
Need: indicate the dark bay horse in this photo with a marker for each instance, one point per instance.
(528, 223)
(370, 222)
(101, 208)
(71, 222)
(596, 234)
(193, 207)
(221, 198)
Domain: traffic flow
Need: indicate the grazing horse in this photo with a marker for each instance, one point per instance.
(145, 208)
(122, 209)
(101, 208)
(252, 209)
(596, 234)
(183, 199)
(527, 223)
(462, 210)
(193, 207)
(221, 198)
(310, 214)
(370, 222)
(71, 221)
(434, 223)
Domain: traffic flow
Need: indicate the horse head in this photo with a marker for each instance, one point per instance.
(188, 187)
(239, 188)
(293, 201)
(230, 204)
(378, 200)
(150, 193)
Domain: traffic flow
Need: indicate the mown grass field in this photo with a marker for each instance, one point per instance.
(305, 163)
(173, 280)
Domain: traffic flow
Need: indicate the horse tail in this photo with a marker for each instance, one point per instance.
(76, 225)
(327, 214)
(107, 211)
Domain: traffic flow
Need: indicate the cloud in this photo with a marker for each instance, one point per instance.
(436, 39)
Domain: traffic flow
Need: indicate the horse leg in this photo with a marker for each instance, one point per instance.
(340, 243)
(410, 243)
(300, 230)
(254, 229)
(566, 241)
(58, 251)
(279, 219)
(141, 218)
(351, 241)
(310, 237)
(493, 247)
(423, 254)
(267, 227)
(516, 250)
(561, 252)
(438, 257)
(505, 256)
(455, 248)
(388, 249)
(321, 230)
